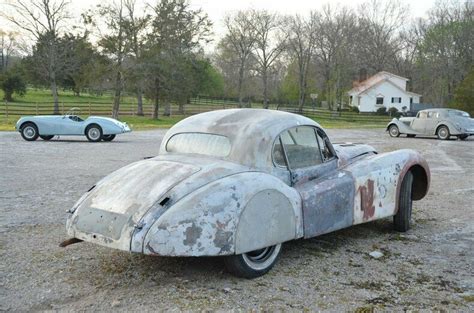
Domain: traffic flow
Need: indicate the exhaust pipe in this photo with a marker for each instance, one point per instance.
(69, 241)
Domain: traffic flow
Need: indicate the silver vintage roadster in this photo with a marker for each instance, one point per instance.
(95, 128)
(239, 183)
(442, 123)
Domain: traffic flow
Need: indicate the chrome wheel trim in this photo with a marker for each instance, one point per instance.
(94, 133)
(261, 259)
(393, 131)
(29, 132)
(443, 133)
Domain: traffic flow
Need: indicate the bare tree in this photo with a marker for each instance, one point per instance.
(270, 42)
(7, 48)
(110, 23)
(379, 25)
(241, 39)
(301, 43)
(334, 46)
(136, 27)
(43, 20)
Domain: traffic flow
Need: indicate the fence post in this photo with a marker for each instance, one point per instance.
(36, 108)
(62, 104)
(6, 108)
(89, 108)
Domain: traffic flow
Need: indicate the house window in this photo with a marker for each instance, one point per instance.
(379, 100)
(396, 100)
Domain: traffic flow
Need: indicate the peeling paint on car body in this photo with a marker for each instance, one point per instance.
(188, 204)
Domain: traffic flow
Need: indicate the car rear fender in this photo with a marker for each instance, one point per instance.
(233, 215)
(453, 129)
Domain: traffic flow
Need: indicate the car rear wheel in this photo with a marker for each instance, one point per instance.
(48, 137)
(29, 132)
(94, 133)
(443, 133)
(253, 264)
(401, 220)
(393, 131)
(463, 137)
(108, 137)
(410, 135)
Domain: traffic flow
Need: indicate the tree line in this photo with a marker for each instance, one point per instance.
(160, 51)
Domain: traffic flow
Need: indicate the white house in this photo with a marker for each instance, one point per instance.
(384, 89)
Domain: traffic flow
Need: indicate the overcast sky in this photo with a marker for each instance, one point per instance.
(216, 9)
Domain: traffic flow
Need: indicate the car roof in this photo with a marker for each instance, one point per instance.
(250, 131)
(440, 110)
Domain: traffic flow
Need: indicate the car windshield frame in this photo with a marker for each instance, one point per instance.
(188, 144)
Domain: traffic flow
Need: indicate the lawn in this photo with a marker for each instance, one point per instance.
(40, 101)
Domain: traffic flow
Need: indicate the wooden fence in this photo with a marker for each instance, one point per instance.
(196, 105)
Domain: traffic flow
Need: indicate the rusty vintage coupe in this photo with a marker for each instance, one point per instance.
(239, 183)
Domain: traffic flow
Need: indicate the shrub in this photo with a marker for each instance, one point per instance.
(382, 111)
(354, 109)
(393, 111)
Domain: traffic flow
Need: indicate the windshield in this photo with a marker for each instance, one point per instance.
(199, 143)
(459, 113)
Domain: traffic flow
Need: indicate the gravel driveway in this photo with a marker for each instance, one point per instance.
(430, 267)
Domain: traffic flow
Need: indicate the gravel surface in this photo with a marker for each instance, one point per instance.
(428, 268)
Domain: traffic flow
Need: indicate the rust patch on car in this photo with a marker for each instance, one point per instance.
(192, 234)
(367, 199)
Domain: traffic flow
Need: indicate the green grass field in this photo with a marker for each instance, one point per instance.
(40, 101)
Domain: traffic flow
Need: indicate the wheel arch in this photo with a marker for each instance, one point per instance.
(390, 124)
(441, 125)
(208, 221)
(86, 127)
(418, 166)
(420, 182)
(27, 122)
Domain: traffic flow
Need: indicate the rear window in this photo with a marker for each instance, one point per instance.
(199, 143)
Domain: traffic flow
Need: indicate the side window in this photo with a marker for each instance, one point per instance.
(431, 114)
(422, 114)
(301, 147)
(323, 140)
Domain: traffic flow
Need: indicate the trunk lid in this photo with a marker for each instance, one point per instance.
(111, 210)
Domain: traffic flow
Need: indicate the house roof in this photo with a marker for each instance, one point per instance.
(376, 80)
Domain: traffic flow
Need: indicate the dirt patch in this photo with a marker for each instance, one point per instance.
(428, 268)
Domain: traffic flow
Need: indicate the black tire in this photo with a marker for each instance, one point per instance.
(108, 137)
(411, 136)
(393, 131)
(401, 220)
(29, 131)
(463, 137)
(94, 133)
(46, 137)
(443, 133)
(253, 264)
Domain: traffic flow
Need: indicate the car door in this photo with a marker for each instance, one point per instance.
(70, 125)
(327, 193)
(431, 122)
(419, 123)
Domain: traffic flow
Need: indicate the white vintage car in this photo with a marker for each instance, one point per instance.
(442, 123)
(238, 183)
